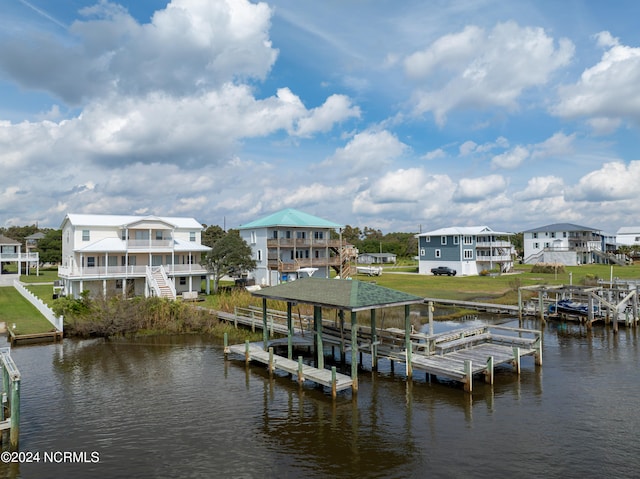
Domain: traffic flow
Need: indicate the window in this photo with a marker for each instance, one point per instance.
(456, 240)
(275, 234)
(123, 235)
(438, 253)
(468, 240)
(159, 235)
(553, 234)
(287, 234)
(301, 234)
(112, 261)
(85, 235)
(253, 237)
(318, 235)
(183, 280)
(118, 284)
(468, 254)
(422, 251)
(427, 239)
(443, 240)
(259, 255)
(534, 235)
(192, 235)
(317, 253)
(91, 261)
(536, 245)
(564, 234)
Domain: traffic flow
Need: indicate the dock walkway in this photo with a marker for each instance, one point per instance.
(325, 377)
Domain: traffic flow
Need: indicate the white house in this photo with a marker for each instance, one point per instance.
(467, 249)
(11, 252)
(131, 255)
(291, 244)
(567, 244)
(628, 235)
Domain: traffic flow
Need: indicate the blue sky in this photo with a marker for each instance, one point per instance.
(403, 116)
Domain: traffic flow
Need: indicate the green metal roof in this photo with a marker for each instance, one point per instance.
(290, 217)
(351, 295)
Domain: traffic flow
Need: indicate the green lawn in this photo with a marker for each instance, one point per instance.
(14, 309)
(45, 276)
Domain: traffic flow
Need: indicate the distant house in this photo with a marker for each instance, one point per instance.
(291, 244)
(628, 235)
(131, 255)
(377, 258)
(31, 241)
(11, 252)
(467, 249)
(567, 244)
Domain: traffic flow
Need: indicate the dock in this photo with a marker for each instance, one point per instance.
(329, 378)
(479, 306)
(14, 339)
(458, 355)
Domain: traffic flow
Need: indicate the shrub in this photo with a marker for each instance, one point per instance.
(548, 268)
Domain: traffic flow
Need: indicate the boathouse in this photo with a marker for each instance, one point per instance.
(346, 296)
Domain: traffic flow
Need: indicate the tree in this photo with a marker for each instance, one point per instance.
(211, 234)
(50, 247)
(229, 255)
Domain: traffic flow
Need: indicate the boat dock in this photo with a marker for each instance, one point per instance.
(484, 307)
(329, 378)
(458, 355)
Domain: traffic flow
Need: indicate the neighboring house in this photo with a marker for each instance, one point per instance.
(377, 258)
(467, 249)
(131, 255)
(628, 235)
(291, 244)
(568, 244)
(31, 241)
(11, 252)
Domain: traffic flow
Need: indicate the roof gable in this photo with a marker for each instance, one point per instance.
(293, 218)
(116, 221)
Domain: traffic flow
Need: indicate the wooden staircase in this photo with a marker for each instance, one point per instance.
(163, 289)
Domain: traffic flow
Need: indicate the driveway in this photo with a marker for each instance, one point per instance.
(7, 279)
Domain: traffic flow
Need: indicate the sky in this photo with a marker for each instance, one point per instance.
(404, 116)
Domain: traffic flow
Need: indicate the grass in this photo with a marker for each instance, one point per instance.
(16, 309)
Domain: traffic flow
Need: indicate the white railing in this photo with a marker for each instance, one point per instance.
(493, 244)
(151, 273)
(57, 321)
(122, 271)
(20, 257)
(146, 243)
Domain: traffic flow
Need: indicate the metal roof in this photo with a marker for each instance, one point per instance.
(350, 295)
(293, 218)
(8, 241)
(123, 220)
(464, 230)
(560, 227)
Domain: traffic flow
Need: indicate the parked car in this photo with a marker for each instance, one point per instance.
(443, 270)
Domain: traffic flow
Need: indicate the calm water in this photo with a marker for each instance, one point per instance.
(171, 407)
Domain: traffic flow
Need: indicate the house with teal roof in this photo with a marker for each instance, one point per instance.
(290, 244)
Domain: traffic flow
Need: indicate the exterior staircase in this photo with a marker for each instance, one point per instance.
(160, 284)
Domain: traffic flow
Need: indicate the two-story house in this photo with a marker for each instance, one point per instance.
(11, 252)
(131, 255)
(567, 244)
(467, 249)
(291, 244)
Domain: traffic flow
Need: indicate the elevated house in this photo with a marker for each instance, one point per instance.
(377, 258)
(568, 244)
(628, 236)
(290, 244)
(467, 249)
(131, 255)
(11, 252)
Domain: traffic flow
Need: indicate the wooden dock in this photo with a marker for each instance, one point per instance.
(329, 378)
(484, 307)
(14, 339)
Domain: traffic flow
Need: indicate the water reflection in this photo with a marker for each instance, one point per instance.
(172, 407)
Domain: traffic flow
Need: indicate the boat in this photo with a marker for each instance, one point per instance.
(571, 307)
(369, 270)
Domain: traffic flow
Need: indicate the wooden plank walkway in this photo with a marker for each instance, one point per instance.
(487, 307)
(330, 378)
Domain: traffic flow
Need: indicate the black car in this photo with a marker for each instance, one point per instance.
(443, 270)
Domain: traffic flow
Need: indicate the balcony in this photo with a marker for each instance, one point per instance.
(119, 272)
(150, 244)
(303, 243)
(295, 265)
(493, 244)
(19, 257)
